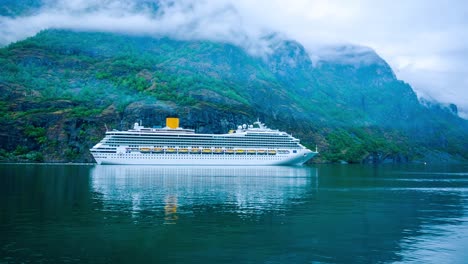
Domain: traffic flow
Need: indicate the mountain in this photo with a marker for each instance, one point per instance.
(60, 88)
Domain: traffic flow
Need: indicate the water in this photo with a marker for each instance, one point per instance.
(322, 214)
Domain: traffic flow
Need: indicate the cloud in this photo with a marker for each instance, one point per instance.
(423, 40)
(208, 20)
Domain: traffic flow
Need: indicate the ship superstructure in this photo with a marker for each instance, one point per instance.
(247, 145)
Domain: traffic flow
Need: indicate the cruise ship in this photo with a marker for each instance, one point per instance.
(254, 145)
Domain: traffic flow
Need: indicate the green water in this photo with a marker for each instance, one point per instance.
(321, 214)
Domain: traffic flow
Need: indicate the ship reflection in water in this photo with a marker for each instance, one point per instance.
(182, 190)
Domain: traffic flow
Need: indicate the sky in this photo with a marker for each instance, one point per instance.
(424, 41)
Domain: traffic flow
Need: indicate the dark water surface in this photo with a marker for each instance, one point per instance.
(322, 214)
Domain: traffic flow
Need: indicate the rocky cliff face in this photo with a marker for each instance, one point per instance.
(60, 89)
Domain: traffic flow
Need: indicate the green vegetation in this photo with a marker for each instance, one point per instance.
(356, 144)
(59, 88)
(38, 133)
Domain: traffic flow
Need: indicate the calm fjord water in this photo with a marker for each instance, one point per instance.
(322, 214)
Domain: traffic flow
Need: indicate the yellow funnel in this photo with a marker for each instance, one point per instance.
(172, 122)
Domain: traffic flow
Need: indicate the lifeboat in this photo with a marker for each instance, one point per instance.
(158, 150)
(145, 150)
(240, 151)
(207, 151)
(170, 150)
(272, 152)
(261, 152)
(195, 151)
(183, 150)
(229, 151)
(251, 151)
(218, 151)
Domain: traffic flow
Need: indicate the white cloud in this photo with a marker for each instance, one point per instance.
(425, 41)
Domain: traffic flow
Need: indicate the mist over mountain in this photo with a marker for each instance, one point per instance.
(183, 20)
(122, 61)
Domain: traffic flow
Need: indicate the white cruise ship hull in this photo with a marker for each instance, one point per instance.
(298, 158)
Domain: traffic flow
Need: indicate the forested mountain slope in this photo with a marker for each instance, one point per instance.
(60, 88)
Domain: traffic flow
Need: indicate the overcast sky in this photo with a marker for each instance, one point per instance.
(425, 41)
